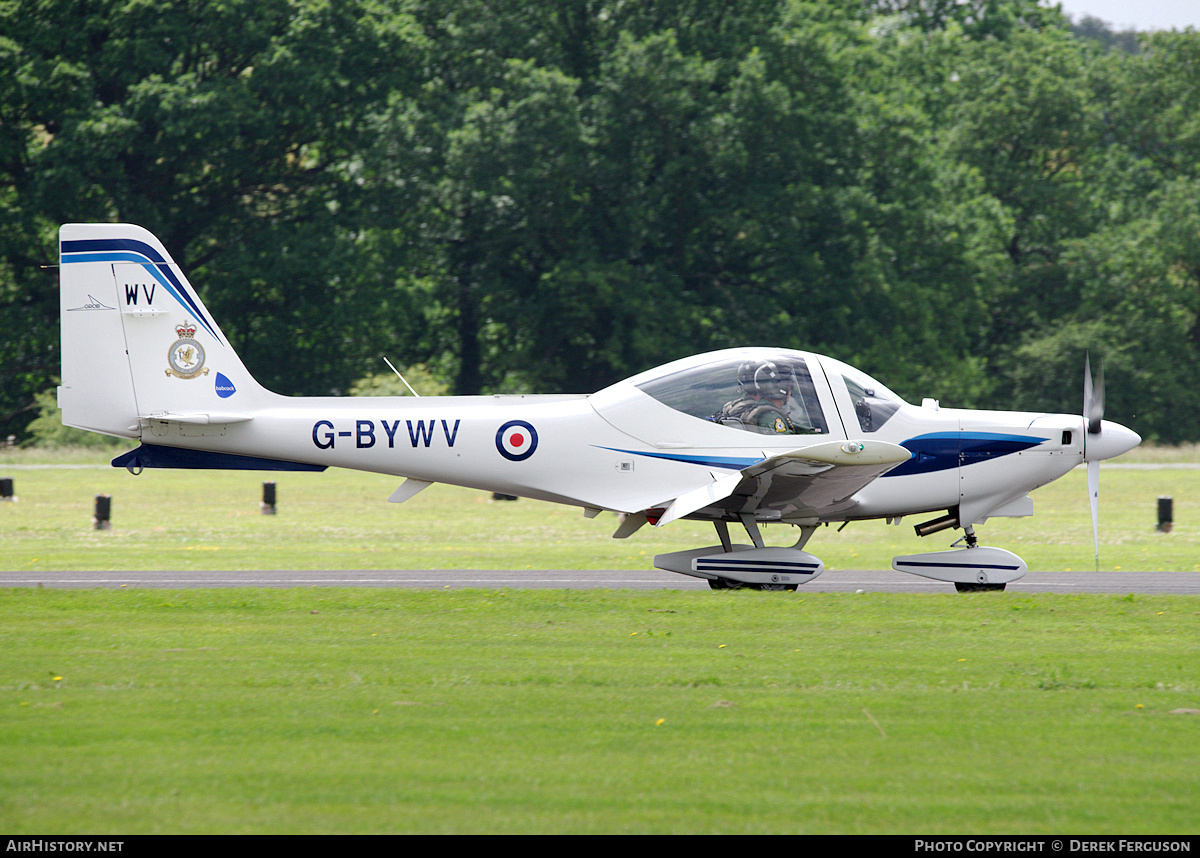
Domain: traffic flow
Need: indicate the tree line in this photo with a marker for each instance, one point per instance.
(961, 198)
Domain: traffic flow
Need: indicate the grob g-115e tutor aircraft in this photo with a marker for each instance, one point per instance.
(740, 436)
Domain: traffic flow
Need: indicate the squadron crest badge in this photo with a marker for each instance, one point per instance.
(185, 358)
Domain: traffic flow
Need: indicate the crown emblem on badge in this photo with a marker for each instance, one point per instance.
(185, 357)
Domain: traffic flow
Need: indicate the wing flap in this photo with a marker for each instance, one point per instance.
(707, 495)
(803, 482)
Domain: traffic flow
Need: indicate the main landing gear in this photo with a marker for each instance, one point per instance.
(974, 568)
(977, 588)
(753, 567)
(730, 584)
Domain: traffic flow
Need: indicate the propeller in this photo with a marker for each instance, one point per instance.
(1093, 414)
(1093, 397)
(1102, 440)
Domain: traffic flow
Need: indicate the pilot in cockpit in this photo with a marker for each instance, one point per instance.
(763, 405)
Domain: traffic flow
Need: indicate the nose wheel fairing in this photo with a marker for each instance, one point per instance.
(976, 565)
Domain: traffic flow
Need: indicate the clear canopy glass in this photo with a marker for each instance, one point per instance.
(771, 394)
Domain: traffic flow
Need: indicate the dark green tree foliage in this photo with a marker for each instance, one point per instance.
(28, 293)
(1138, 271)
(680, 196)
(1021, 121)
(961, 197)
(228, 129)
(915, 296)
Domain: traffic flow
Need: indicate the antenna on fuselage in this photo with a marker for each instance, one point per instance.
(402, 378)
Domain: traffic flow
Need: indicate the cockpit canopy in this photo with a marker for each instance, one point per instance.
(767, 392)
(873, 405)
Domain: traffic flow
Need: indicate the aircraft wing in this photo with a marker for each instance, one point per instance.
(800, 483)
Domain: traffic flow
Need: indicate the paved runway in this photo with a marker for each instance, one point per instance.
(829, 582)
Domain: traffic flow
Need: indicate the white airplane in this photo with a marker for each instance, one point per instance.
(741, 436)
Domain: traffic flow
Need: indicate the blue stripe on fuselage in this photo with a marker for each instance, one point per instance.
(707, 461)
(942, 450)
(937, 451)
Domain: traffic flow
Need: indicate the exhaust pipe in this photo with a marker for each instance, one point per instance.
(945, 522)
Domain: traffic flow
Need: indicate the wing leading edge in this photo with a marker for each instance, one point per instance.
(802, 483)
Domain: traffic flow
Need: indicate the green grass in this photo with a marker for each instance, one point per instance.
(327, 710)
(339, 710)
(341, 520)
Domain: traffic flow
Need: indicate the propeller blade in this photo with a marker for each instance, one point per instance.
(1093, 397)
(1093, 414)
(1093, 481)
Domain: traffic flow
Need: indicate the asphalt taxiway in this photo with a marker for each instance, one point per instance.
(1121, 582)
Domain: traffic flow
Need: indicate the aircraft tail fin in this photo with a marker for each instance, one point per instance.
(138, 345)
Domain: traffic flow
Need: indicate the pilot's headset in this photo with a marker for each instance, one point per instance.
(764, 378)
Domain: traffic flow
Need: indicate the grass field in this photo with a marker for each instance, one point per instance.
(320, 710)
(341, 520)
(510, 711)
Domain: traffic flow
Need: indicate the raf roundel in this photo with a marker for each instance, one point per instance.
(516, 440)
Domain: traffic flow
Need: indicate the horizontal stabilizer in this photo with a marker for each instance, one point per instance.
(208, 418)
(154, 456)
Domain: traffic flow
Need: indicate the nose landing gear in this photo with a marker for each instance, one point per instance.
(974, 569)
